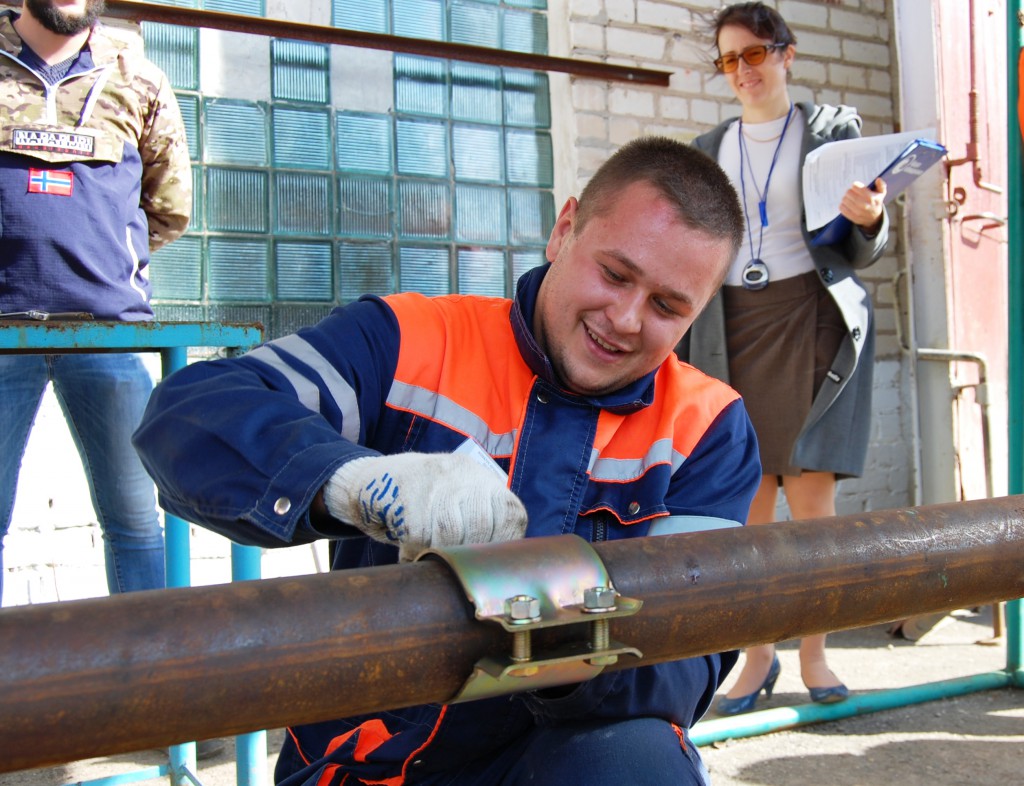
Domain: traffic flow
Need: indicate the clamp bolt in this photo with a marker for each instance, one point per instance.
(595, 601)
(520, 610)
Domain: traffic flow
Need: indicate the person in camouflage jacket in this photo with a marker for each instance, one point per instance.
(94, 175)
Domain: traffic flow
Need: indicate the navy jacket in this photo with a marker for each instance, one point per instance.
(243, 445)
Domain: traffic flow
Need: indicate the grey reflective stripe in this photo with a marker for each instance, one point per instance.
(622, 470)
(307, 392)
(341, 391)
(443, 410)
(673, 525)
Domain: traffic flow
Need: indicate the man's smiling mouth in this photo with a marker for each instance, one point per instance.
(603, 344)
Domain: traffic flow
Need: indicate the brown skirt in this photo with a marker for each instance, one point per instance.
(781, 342)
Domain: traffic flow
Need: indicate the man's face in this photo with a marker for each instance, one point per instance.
(65, 17)
(621, 292)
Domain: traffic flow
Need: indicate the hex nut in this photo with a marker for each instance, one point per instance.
(599, 599)
(522, 608)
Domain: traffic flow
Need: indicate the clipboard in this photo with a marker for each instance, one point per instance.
(912, 162)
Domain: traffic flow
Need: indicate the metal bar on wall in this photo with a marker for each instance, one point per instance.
(255, 25)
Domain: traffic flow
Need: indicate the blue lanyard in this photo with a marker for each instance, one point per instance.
(762, 198)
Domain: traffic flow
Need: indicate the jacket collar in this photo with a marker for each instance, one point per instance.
(624, 401)
(104, 47)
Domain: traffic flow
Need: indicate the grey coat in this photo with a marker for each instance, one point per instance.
(835, 436)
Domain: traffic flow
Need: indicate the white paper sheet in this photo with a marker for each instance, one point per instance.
(830, 170)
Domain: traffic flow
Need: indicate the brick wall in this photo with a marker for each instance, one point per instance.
(843, 57)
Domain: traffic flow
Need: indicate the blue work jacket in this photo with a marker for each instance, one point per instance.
(411, 373)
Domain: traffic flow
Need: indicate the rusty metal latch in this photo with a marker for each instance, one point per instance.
(539, 583)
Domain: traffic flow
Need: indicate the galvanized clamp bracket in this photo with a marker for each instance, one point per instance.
(536, 583)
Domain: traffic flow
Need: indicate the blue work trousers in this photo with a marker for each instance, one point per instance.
(636, 752)
(102, 397)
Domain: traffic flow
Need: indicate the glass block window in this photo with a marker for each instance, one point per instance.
(300, 205)
(421, 86)
(178, 275)
(419, 19)
(524, 31)
(190, 113)
(365, 207)
(235, 132)
(251, 7)
(370, 16)
(477, 93)
(301, 138)
(365, 269)
(482, 270)
(425, 269)
(175, 49)
(300, 71)
(238, 269)
(365, 143)
(476, 24)
(179, 3)
(304, 271)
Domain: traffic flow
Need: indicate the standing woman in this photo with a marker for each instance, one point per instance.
(791, 329)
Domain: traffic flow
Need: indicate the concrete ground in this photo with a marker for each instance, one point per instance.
(973, 740)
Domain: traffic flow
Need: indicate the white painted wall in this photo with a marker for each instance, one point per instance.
(54, 550)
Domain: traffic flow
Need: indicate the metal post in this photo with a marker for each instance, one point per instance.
(1015, 287)
(251, 748)
(177, 562)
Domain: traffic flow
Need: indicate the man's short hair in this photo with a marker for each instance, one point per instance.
(691, 180)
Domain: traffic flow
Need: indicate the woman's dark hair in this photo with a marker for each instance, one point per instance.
(759, 19)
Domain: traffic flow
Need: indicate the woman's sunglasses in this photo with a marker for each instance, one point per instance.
(752, 55)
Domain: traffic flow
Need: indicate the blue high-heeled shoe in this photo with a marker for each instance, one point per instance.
(829, 695)
(741, 704)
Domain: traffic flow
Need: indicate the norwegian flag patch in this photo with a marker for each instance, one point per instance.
(47, 181)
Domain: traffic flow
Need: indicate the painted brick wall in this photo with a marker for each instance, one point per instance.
(843, 57)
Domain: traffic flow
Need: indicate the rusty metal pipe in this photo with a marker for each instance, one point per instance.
(109, 675)
(133, 11)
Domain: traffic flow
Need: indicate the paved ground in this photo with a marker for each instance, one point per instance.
(973, 740)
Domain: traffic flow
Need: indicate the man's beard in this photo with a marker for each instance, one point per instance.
(62, 23)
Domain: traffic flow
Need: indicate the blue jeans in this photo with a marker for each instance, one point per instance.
(102, 397)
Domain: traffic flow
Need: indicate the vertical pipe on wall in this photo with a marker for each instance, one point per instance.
(1015, 268)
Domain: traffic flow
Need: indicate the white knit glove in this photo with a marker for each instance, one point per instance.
(423, 500)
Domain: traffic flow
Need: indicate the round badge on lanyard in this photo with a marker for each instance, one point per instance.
(755, 275)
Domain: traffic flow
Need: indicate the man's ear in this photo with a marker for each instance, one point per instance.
(562, 229)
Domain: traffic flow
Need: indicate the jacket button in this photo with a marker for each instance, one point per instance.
(856, 333)
(282, 506)
(827, 275)
(634, 507)
(542, 397)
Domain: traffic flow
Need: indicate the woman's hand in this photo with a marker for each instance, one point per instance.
(864, 207)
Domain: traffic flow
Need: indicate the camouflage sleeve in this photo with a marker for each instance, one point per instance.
(166, 169)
